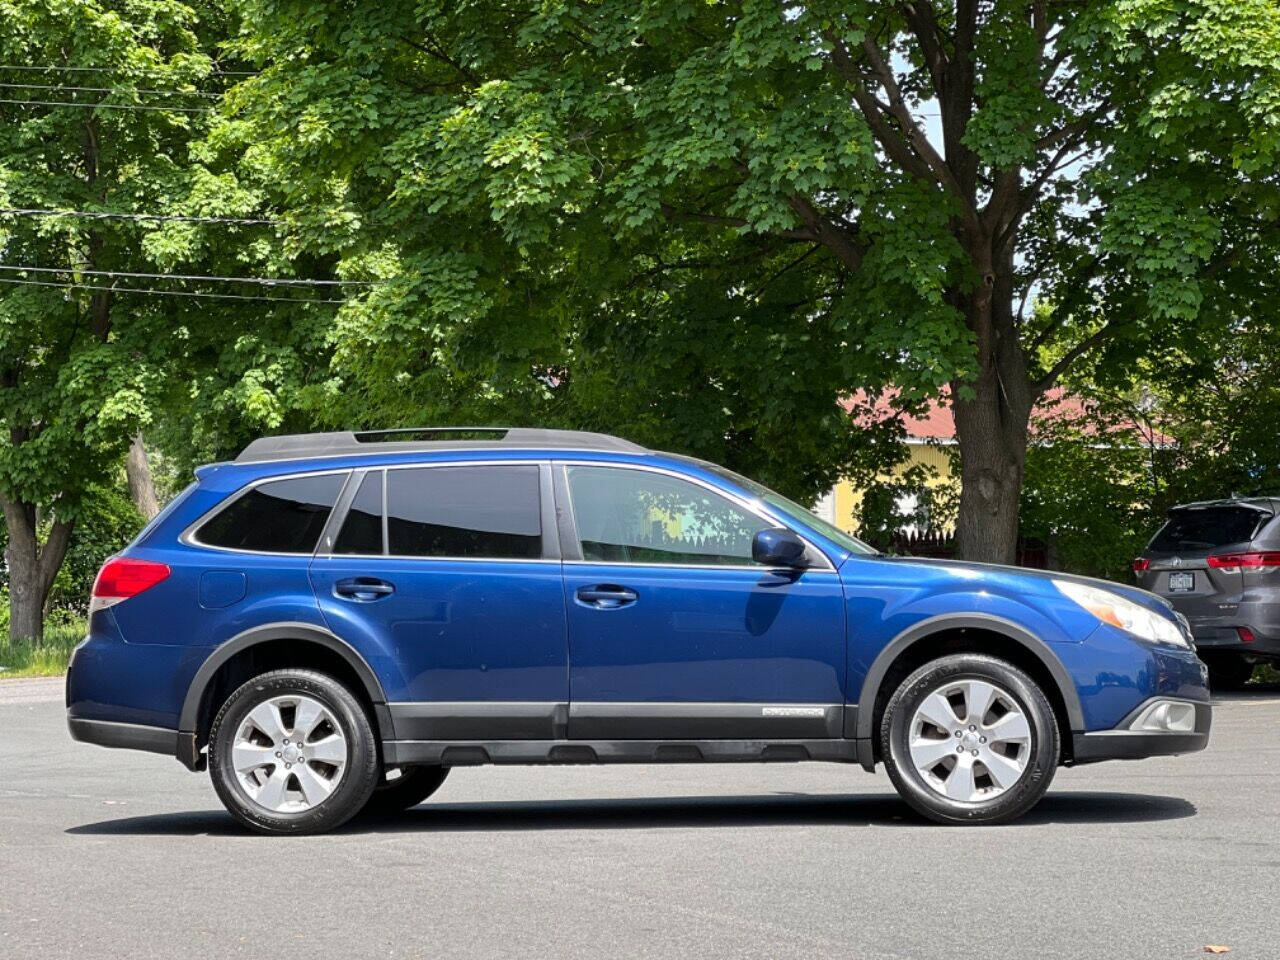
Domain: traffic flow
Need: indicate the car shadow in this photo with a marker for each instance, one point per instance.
(778, 810)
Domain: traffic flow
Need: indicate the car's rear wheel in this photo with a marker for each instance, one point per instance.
(1227, 671)
(293, 751)
(402, 788)
(969, 738)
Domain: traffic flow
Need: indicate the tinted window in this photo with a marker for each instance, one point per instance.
(1206, 529)
(282, 516)
(634, 516)
(362, 527)
(489, 511)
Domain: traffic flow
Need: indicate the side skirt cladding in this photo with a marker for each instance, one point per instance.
(464, 753)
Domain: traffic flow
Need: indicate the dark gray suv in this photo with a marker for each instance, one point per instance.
(1218, 563)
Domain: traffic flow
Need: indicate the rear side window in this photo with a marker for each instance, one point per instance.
(1207, 529)
(281, 516)
(362, 528)
(480, 511)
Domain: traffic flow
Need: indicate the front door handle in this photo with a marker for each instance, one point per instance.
(363, 588)
(606, 596)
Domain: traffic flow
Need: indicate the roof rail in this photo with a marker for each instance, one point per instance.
(341, 443)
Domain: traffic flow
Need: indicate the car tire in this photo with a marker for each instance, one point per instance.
(957, 768)
(1228, 671)
(293, 752)
(400, 789)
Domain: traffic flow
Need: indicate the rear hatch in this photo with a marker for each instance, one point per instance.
(1176, 562)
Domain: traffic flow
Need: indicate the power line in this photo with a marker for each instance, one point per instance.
(167, 293)
(266, 281)
(46, 68)
(56, 86)
(107, 106)
(106, 215)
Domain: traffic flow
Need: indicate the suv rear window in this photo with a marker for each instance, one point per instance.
(1208, 528)
(481, 511)
(281, 516)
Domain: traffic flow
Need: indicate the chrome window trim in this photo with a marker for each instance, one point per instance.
(188, 536)
(749, 505)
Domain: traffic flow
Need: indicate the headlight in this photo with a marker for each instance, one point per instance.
(1129, 616)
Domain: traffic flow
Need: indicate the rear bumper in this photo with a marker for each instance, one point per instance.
(1123, 743)
(1227, 640)
(127, 736)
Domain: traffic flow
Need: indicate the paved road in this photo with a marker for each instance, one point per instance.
(108, 854)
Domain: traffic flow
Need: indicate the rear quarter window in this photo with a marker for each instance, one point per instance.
(1207, 529)
(279, 516)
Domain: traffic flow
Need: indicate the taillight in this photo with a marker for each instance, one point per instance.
(1231, 562)
(1245, 634)
(1140, 565)
(123, 577)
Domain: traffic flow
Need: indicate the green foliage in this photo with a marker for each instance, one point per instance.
(47, 657)
(675, 221)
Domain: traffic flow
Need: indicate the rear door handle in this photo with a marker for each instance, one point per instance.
(363, 588)
(606, 596)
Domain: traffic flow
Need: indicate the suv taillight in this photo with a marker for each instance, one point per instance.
(1231, 562)
(123, 577)
(1141, 564)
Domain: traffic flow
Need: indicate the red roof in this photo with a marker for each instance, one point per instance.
(936, 422)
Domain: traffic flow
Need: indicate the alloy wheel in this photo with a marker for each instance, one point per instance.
(970, 740)
(289, 754)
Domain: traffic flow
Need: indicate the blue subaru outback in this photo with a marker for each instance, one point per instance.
(332, 621)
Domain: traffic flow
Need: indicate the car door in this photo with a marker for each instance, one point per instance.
(452, 570)
(674, 632)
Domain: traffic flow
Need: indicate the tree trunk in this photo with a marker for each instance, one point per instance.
(991, 427)
(32, 567)
(142, 489)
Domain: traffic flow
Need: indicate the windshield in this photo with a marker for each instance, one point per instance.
(1205, 529)
(789, 508)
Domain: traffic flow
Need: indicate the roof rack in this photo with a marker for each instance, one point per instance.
(300, 446)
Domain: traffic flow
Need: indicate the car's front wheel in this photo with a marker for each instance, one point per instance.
(293, 751)
(969, 738)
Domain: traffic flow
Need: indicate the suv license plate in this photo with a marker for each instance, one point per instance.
(1182, 582)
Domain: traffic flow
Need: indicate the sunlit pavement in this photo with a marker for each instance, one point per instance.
(120, 854)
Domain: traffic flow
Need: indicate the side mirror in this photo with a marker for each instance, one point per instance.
(778, 547)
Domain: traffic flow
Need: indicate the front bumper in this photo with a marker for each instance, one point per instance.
(1125, 743)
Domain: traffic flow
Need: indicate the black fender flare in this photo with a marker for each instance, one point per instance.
(971, 621)
(287, 630)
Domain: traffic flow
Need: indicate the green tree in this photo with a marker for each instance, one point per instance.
(730, 213)
(108, 110)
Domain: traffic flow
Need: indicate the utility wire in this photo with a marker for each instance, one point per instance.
(46, 68)
(266, 281)
(105, 215)
(167, 293)
(107, 106)
(58, 86)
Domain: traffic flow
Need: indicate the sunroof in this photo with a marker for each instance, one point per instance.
(431, 433)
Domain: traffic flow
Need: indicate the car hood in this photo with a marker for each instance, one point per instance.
(1147, 599)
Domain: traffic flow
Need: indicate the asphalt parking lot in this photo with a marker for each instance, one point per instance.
(120, 854)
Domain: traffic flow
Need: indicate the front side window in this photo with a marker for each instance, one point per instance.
(635, 516)
(280, 516)
(491, 511)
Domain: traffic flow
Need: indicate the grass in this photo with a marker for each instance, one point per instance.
(42, 658)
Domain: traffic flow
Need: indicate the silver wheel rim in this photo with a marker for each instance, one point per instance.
(970, 741)
(289, 754)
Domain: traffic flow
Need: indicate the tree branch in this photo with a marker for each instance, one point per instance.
(894, 146)
(1100, 336)
(837, 239)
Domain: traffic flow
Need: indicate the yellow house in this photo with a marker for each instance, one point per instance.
(928, 437)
